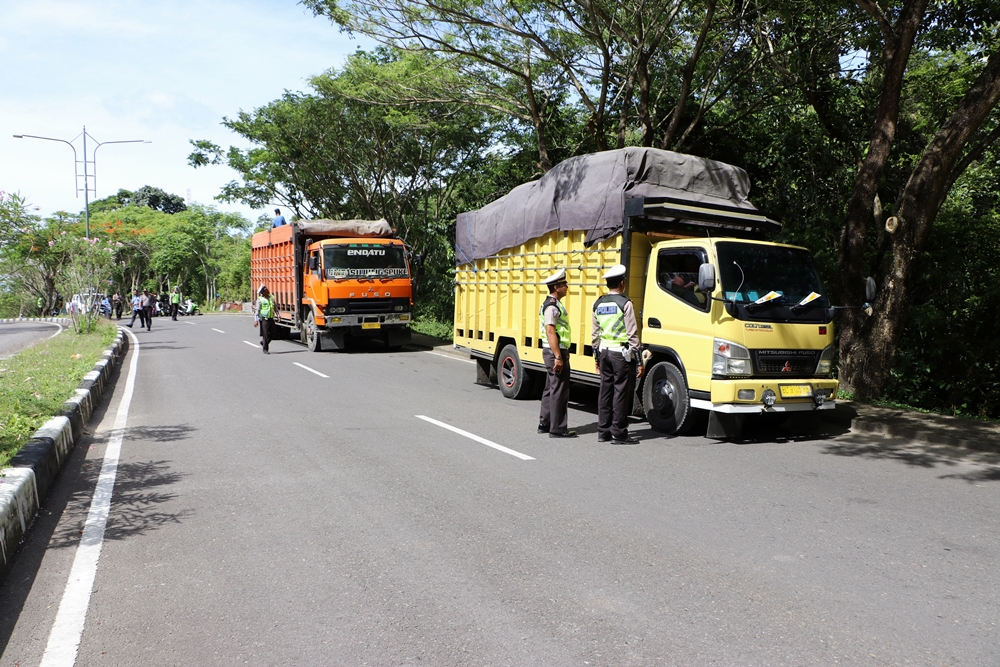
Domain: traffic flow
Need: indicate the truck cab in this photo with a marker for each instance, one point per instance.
(358, 287)
(750, 331)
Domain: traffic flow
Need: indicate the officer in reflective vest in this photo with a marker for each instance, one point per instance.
(265, 316)
(175, 303)
(554, 329)
(616, 349)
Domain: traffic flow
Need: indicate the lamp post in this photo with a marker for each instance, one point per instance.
(86, 162)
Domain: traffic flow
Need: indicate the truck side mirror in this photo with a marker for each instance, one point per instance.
(313, 262)
(706, 278)
(869, 289)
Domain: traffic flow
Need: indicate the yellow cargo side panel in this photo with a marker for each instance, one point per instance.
(497, 298)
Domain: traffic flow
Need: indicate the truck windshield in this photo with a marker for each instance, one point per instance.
(770, 274)
(364, 260)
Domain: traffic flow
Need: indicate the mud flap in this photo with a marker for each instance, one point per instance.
(723, 426)
(486, 374)
(333, 341)
(396, 337)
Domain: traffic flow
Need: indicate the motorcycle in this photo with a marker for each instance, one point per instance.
(189, 307)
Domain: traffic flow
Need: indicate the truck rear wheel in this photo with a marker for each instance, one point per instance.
(511, 374)
(665, 398)
(314, 339)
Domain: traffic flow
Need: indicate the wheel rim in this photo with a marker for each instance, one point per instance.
(310, 330)
(508, 372)
(663, 393)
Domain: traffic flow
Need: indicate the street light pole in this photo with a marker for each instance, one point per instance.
(76, 161)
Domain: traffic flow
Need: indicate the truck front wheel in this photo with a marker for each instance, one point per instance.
(511, 374)
(665, 398)
(314, 339)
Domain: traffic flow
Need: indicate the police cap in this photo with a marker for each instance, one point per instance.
(555, 277)
(614, 272)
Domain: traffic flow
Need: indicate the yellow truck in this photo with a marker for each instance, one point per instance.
(730, 324)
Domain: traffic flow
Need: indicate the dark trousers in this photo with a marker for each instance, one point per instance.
(266, 331)
(556, 395)
(173, 311)
(141, 314)
(148, 313)
(614, 399)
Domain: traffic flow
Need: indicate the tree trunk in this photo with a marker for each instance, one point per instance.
(922, 198)
(853, 348)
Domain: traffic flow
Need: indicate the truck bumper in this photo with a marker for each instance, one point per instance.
(748, 396)
(388, 328)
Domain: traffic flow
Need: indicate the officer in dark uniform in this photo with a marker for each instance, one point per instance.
(616, 352)
(553, 322)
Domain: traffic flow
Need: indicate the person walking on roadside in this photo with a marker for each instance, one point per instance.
(116, 304)
(554, 327)
(41, 307)
(279, 219)
(147, 300)
(137, 310)
(264, 317)
(175, 302)
(616, 349)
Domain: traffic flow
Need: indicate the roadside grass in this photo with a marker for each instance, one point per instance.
(36, 382)
(431, 327)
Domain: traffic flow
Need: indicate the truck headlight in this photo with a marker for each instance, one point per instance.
(399, 308)
(825, 365)
(730, 359)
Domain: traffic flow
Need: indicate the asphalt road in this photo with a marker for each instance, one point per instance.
(16, 336)
(265, 515)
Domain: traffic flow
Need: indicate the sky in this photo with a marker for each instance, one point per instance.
(163, 72)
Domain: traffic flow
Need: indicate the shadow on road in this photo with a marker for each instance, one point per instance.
(918, 455)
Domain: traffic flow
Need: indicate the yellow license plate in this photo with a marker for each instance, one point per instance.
(796, 391)
(370, 325)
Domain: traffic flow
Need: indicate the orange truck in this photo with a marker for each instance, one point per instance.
(336, 280)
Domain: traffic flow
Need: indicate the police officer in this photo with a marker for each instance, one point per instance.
(175, 302)
(265, 317)
(555, 332)
(616, 349)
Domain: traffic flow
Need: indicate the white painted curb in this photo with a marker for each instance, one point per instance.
(23, 486)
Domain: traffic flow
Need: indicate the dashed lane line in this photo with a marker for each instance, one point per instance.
(219, 330)
(252, 344)
(473, 436)
(310, 370)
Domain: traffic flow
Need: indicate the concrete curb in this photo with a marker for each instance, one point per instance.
(922, 427)
(33, 470)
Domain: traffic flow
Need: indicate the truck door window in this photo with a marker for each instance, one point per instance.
(314, 263)
(677, 274)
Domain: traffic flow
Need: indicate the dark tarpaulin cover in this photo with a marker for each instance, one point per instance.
(588, 192)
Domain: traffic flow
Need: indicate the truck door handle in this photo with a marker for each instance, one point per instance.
(654, 323)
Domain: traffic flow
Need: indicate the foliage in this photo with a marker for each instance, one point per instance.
(147, 195)
(949, 356)
(86, 275)
(329, 155)
(36, 382)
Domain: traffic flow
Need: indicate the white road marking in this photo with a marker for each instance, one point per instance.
(219, 330)
(472, 436)
(194, 324)
(448, 356)
(64, 640)
(58, 332)
(252, 344)
(310, 370)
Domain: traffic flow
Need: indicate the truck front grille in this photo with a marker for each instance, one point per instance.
(785, 362)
